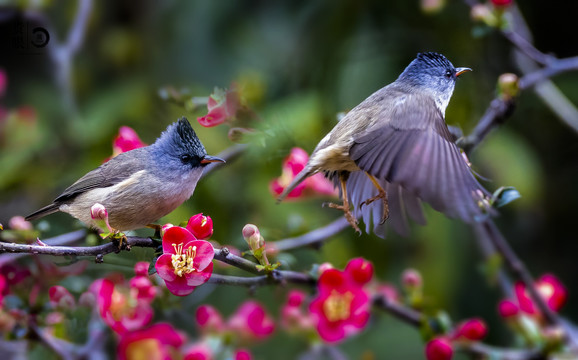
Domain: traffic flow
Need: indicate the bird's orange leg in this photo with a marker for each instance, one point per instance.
(381, 194)
(345, 206)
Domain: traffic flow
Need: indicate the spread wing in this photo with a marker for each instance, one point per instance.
(413, 149)
(108, 174)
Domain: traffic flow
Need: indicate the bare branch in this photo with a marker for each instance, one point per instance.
(313, 237)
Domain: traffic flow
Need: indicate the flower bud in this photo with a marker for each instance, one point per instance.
(472, 329)
(200, 226)
(482, 13)
(209, 319)
(242, 354)
(253, 236)
(141, 268)
(295, 298)
(439, 348)
(508, 86)
(411, 279)
(508, 309)
(98, 212)
(19, 223)
(165, 227)
(61, 298)
(324, 267)
(501, 3)
(360, 270)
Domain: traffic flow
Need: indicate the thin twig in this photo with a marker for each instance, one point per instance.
(313, 237)
(403, 313)
(276, 277)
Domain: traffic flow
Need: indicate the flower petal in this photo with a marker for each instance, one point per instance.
(179, 286)
(165, 267)
(197, 278)
(204, 253)
(175, 235)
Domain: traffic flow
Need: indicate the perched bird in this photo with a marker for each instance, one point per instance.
(395, 148)
(139, 186)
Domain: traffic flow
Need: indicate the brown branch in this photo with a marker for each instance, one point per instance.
(311, 238)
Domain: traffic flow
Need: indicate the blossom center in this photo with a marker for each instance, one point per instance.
(338, 306)
(183, 262)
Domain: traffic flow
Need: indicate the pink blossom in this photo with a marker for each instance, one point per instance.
(293, 317)
(292, 165)
(471, 329)
(439, 348)
(200, 226)
(160, 342)
(60, 297)
(360, 270)
(508, 309)
(141, 268)
(19, 223)
(222, 106)
(118, 309)
(341, 307)
(126, 140)
(209, 319)
(411, 279)
(242, 354)
(549, 287)
(3, 82)
(186, 262)
(198, 351)
(251, 321)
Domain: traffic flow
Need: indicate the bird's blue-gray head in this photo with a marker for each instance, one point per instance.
(179, 148)
(433, 73)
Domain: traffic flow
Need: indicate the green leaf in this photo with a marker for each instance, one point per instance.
(504, 195)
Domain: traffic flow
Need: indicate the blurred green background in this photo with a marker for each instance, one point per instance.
(303, 62)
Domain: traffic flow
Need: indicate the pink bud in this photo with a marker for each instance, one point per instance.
(295, 298)
(19, 223)
(164, 228)
(360, 270)
(472, 329)
(324, 267)
(141, 268)
(60, 297)
(98, 212)
(411, 279)
(508, 309)
(253, 236)
(439, 348)
(242, 354)
(209, 319)
(502, 3)
(200, 226)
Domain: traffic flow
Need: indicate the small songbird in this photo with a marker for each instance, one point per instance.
(139, 186)
(396, 147)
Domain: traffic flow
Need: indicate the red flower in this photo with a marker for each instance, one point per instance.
(472, 329)
(551, 289)
(251, 321)
(209, 319)
(439, 348)
(126, 140)
(119, 310)
(222, 105)
(200, 226)
(507, 309)
(360, 270)
(341, 307)
(242, 354)
(292, 165)
(186, 262)
(159, 342)
(502, 3)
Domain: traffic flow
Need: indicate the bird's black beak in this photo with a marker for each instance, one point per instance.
(211, 159)
(462, 70)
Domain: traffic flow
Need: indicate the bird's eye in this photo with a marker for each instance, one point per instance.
(449, 74)
(185, 158)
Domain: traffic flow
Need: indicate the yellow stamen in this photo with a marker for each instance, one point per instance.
(183, 263)
(338, 306)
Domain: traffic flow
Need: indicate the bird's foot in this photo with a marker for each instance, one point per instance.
(120, 239)
(348, 215)
(383, 196)
(158, 228)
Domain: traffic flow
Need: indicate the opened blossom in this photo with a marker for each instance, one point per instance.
(160, 341)
(341, 307)
(222, 106)
(126, 140)
(186, 262)
(251, 321)
(292, 165)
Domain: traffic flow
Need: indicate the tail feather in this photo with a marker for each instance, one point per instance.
(305, 173)
(47, 210)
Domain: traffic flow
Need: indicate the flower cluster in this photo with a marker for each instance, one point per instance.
(186, 262)
(441, 347)
(341, 307)
(292, 165)
(250, 323)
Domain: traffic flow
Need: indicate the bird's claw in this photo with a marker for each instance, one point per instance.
(348, 215)
(381, 195)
